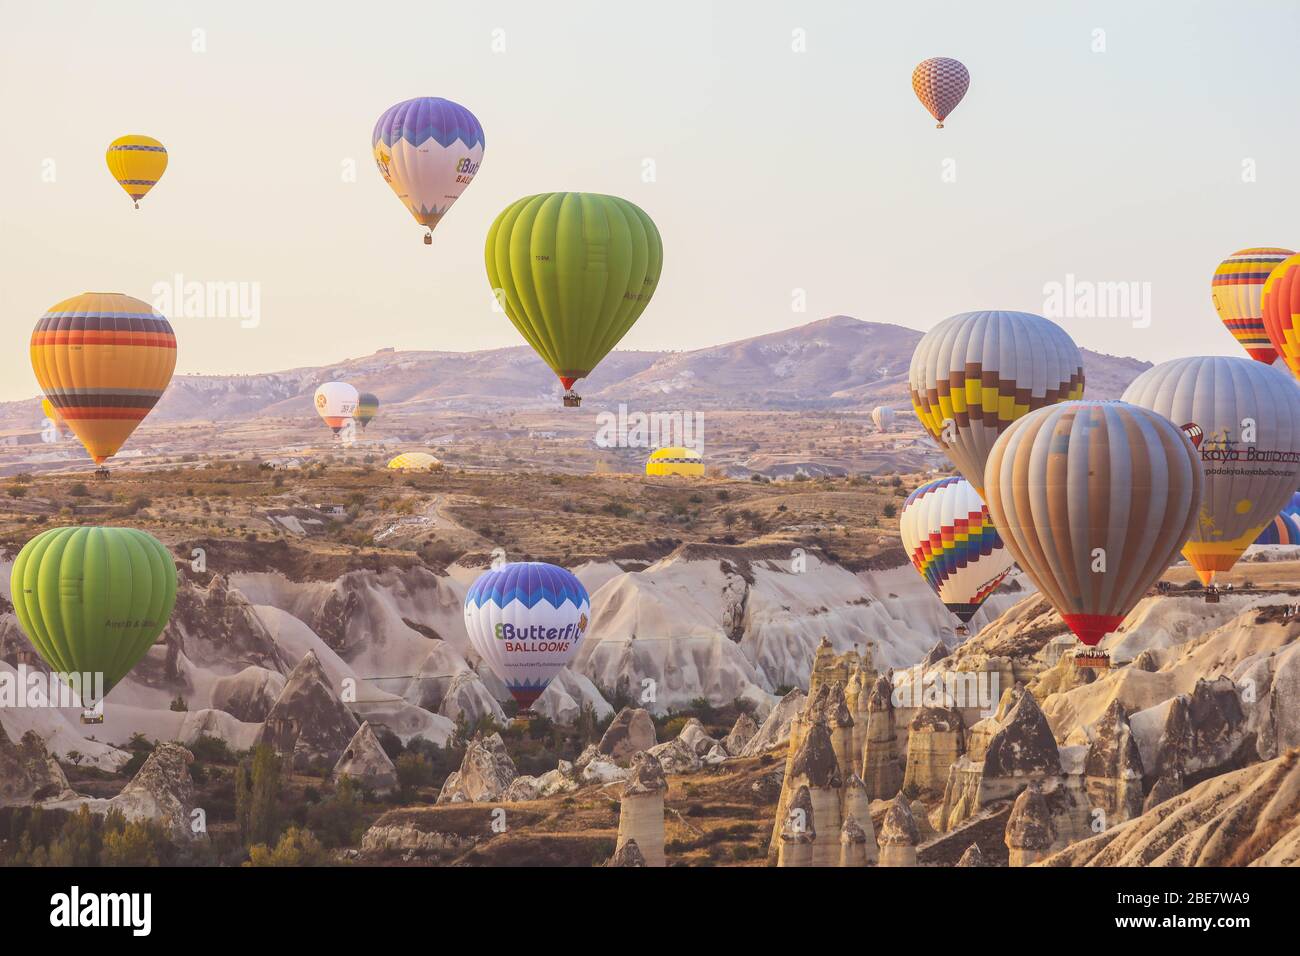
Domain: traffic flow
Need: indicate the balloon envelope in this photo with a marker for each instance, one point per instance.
(336, 402)
(367, 408)
(93, 600)
(675, 461)
(428, 150)
(950, 538)
(974, 374)
(574, 272)
(103, 360)
(1236, 290)
(1250, 474)
(1280, 307)
(137, 163)
(1093, 500)
(414, 461)
(882, 417)
(1285, 528)
(940, 83)
(526, 620)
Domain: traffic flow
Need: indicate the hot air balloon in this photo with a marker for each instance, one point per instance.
(103, 360)
(1285, 527)
(1280, 307)
(1236, 289)
(675, 461)
(974, 374)
(415, 461)
(882, 416)
(1093, 500)
(367, 409)
(526, 620)
(573, 271)
(948, 534)
(336, 402)
(93, 600)
(1243, 417)
(428, 150)
(53, 417)
(137, 163)
(940, 83)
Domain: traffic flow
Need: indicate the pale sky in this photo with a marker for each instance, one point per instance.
(775, 169)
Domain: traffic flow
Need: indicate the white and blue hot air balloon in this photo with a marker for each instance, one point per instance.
(526, 620)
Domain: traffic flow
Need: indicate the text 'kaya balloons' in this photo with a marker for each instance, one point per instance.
(974, 374)
(93, 600)
(336, 402)
(940, 83)
(137, 163)
(428, 150)
(1093, 500)
(526, 620)
(1236, 290)
(573, 272)
(950, 538)
(103, 359)
(1280, 307)
(1244, 420)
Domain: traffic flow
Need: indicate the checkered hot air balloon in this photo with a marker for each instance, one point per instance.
(940, 83)
(950, 539)
(1236, 290)
(527, 620)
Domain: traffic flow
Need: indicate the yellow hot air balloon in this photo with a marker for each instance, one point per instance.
(103, 360)
(53, 415)
(675, 461)
(137, 163)
(415, 461)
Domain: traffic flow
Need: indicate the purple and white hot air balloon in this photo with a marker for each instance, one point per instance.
(428, 150)
(526, 620)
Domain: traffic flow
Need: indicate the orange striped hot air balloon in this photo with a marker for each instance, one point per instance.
(103, 360)
(1280, 304)
(1236, 289)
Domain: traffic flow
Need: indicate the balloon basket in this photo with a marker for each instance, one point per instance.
(1094, 659)
(961, 630)
(101, 473)
(428, 238)
(572, 399)
(94, 716)
(1212, 596)
(523, 718)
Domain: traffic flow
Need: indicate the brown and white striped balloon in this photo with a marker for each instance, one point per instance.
(1094, 500)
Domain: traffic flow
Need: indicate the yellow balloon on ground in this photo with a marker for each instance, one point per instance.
(103, 360)
(675, 461)
(415, 461)
(137, 163)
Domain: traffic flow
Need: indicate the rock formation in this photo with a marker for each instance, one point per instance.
(633, 730)
(308, 723)
(798, 831)
(972, 856)
(1030, 834)
(935, 740)
(775, 729)
(1113, 768)
(853, 843)
(629, 854)
(881, 771)
(163, 790)
(816, 767)
(641, 812)
(485, 773)
(694, 736)
(365, 762)
(742, 732)
(27, 771)
(898, 835)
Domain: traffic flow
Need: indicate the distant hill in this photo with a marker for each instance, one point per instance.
(837, 362)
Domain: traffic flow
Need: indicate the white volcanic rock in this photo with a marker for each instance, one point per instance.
(631, 731)
(366, 762)
(162, 791)
(248, 695)
(603, 771)
(485, 773)
(466, 699)
(309, 723)
(741, 733)
(27, 771)
(677, 757)
(775, 729)
(694, 735)
(566, 695)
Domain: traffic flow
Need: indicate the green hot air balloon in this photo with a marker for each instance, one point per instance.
(367, 409)
(573, 271)
(93, 600)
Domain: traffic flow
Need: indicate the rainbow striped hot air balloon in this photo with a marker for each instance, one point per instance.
(1236, 289)
(137, 163)
(428, 150)
(950, 538)
(103, 360)
(940, 83)
(527, 620)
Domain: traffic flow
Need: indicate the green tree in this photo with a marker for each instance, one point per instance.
(257, 796)
(298, 847)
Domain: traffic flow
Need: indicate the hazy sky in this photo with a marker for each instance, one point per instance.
(775, 169)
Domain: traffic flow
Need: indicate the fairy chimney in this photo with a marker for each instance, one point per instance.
(898, 835)
(881, 771)
(1029, 835)
(936, 738)
(798, 831)
(816, 767)
(641, 812)
(853, 843)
